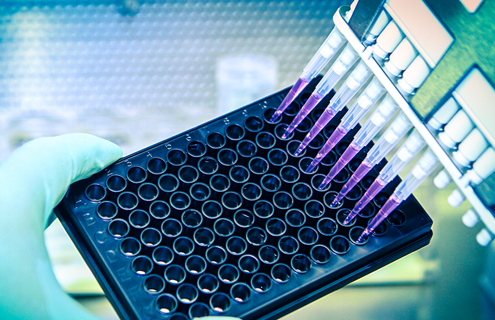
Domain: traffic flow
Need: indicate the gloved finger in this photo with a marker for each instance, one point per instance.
(32, 181)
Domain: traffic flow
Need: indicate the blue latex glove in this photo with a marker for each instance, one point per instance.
(33, 180)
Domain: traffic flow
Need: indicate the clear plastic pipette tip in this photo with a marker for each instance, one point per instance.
(313, 100)
(335, 138)
(340, 67)
(326, 51)
(350, 87)
(359, 174)
(347, 156)
(418, 174)
(290, 97)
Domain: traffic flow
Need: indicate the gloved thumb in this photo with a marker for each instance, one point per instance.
(33, 180)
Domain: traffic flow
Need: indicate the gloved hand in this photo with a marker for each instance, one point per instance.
(33, 180)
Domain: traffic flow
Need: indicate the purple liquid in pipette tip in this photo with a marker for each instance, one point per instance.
(305, 110)
(289, 98)
(358, 175)
(324, 119)
(335, 138)
(384, 212)
(343, 161)
(372, 191)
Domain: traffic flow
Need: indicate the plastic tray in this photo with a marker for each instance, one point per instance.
(223, 220)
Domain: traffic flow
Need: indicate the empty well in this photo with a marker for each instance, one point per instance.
(281, 273)
(151, 237)
(234, 132)
(268, 254)
(276, 227)
(166, 304)
(219, 183)
(154, 284)
(300, 263)
(199, 310)
(263, 209)
(216, 255)
(136, 174)
(163, 256)
(175, 274)
(215, 140)
(200, 191)
(227, 157)
(176, 157)
(139, 219)
(240, 293)
(196, 149)
(116, 183)
(159, 209)
(156, 166)
(168, 183)
(204, 237)
(236, 246)
(195, 265)
(142, 265)
(228, 274)
(130, 247)
(207, 165)
(246, 148)
(118, 228)
(261, 283)
(239, 174)
(220, 303)
(243, 218)
(106, 210)
(256, 236)
(208, 283)
(127, 201)
(187, 293)
(147, 192)
(180, 200)
(248, 264)
(320, 254)
(295, 218)
(171, 228)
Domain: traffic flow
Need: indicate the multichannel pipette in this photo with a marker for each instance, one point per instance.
(336, 72)
(381, 148)
(421, 170)
(362, 138)
(350, 87)
(358, 110)
(313, 68)
(407, 151)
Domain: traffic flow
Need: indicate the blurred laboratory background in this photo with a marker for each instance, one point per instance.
(139, 71)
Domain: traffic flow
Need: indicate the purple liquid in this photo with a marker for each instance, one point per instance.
(384, 212)
(289, 98)
(373, 190)
(336, 136)
(305, 110)
(343, 161)
(359, 174)
(323, 120)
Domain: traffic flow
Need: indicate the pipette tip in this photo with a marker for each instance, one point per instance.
(312, 166)
(324, 183)
(299, 150)
(288, 131)
(275, 115)
(364, 235)
(336, 201)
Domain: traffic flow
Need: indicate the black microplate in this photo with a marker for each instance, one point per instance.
(199, 189)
